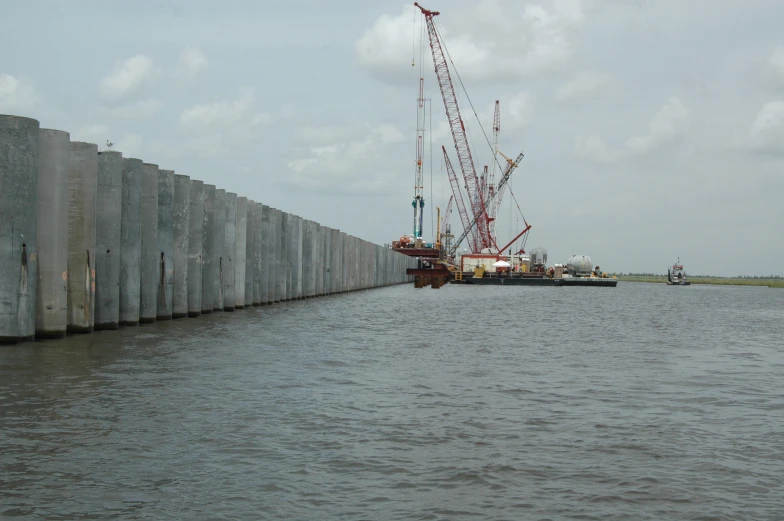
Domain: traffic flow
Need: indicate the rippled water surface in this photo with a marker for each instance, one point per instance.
(639, 402)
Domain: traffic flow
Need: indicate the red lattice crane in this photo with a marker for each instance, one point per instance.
(466, 160)
(461, 208)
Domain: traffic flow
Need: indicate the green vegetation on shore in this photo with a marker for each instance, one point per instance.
(771, 282)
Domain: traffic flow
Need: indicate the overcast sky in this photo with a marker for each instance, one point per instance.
(652, 129)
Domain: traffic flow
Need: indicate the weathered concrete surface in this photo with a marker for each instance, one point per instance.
(51, 309)
(195, 241)
(209, 270)
(165, 243)
(274, 255)
(151, 257)
(249, 248)
(229, 251)
(82, 186)
(131, 241)
(220, 246)
(307, 250)
(19, 151)
(297, 259)
(241, 248)
(108, 242)
(321, 233)
(181, 239)
(266, 256)
(285, 286)
(257, 254)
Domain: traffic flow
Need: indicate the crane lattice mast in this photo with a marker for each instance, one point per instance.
(419, 199)
(468, 226)
(466, 160)
(492, 215)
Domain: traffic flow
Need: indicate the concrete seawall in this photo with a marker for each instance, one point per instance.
(93, 240)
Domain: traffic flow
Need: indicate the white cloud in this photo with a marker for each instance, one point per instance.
(219, 114)
(388, 134)
(138, 110)
(192, 62)
(16, 95)
(128, 78)
(98, 134)
(593, 148)
(767, 132)
(344, 159)
(776, 64)
(667, 124)
(129, 144)
(583, 85)
(492, 41)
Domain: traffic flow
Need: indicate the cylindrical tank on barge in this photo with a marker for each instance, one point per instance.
(579, 265)
(538, 257)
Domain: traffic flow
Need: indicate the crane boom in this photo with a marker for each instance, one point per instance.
(458, 195)
(501, 185)
(459, 136)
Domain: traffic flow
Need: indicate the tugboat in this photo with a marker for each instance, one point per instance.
(676, 276)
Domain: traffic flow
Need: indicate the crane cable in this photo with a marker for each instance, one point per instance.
(438, 31)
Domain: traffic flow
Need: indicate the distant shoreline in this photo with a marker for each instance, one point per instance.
(720, 281)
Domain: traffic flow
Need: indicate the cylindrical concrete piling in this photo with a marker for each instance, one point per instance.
(209, 258)
(307, 257)
(195, 241)
(181, 244)
(249, 248)
(220, 246)
(82, 186)
(108, 240)
(241, 249)
(130, 241)
(19, 151)
(314, 259)
(283, 271)
(51, 318)
(321, 234)
(165, 243)
(229, 251)
(151, 257)
(257, 255)
(274, 259)
(297, 267)
(266, 255)
(328, 260)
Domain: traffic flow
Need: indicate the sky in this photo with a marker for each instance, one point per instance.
(652, 129)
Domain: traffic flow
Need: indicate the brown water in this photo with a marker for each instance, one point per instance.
(642, 402)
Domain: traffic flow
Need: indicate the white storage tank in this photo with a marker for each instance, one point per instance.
(579, 265)
(538, 257)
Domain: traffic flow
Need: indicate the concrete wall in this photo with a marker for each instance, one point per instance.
(108, 210)
(229, 251)
(165, 243)
(51, 233)
(150, 259)
(258, 249)
(220, 246)
(264, 269)
(131, 241)
(241, 245)
(82, 186)
(94, 240)
(209, 270)
(181, 239)
(19, 150)
(195, 245)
